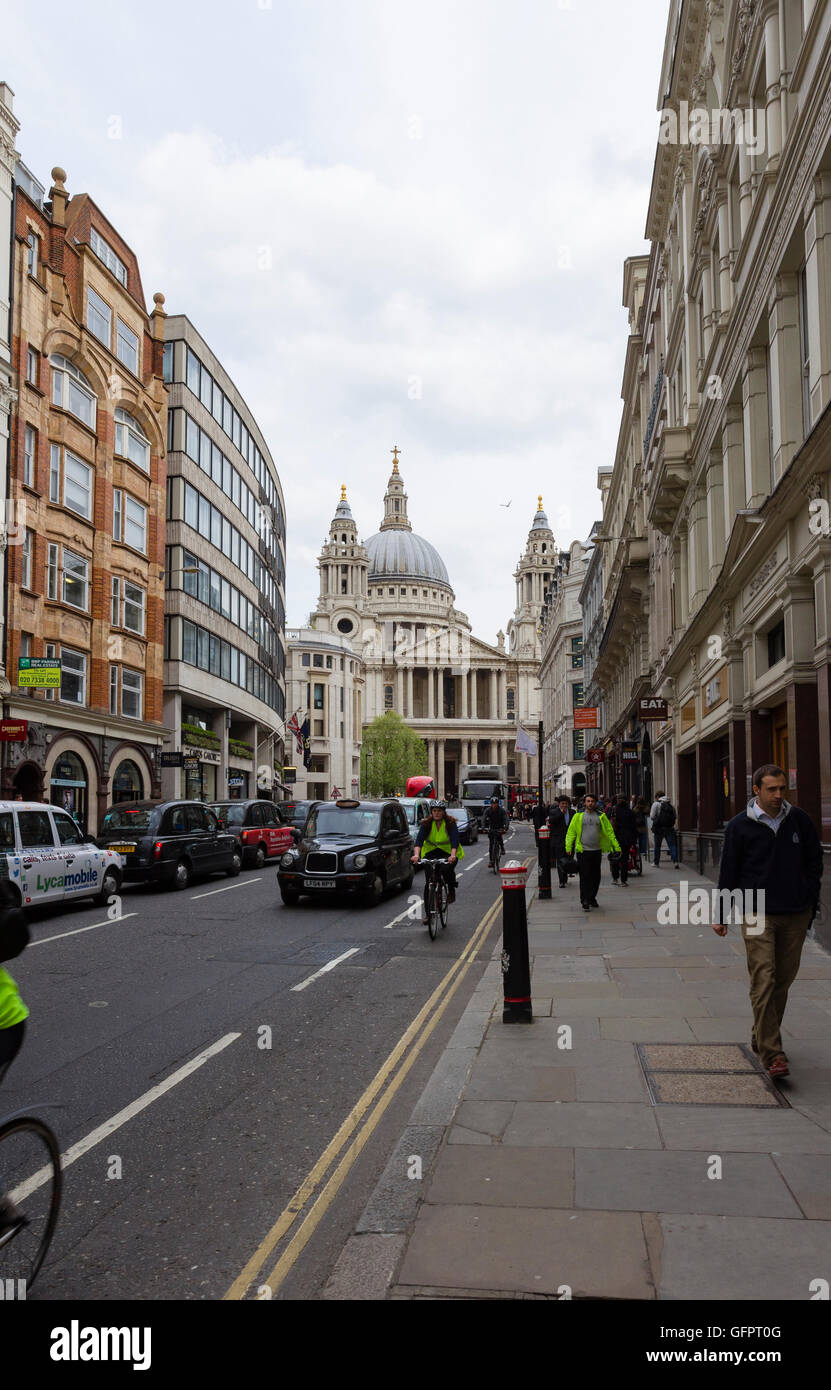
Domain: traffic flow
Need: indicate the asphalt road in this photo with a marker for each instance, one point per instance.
(173, 1202)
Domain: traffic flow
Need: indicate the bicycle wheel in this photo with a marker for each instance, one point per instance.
(497, 855)
(441, 893)
(30, 1165)
(432, 914)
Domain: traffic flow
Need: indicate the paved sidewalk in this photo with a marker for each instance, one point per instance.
(552, 1167)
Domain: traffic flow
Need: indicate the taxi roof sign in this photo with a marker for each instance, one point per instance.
(347, 804)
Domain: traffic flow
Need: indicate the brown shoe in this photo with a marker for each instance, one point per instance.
(778, 1067)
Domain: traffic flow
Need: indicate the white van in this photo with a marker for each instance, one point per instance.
(46, 858)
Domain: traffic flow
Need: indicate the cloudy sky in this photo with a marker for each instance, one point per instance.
(395, 223)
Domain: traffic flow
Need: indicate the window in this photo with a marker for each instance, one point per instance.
(113, 690)
(68, 832)
(55, 473)
(577, 695)
(105, 253)
(511, 699)
(317, 659)
(318, 697)
(29, 455)
(115, 605)
(192, 372)
(135, 524)
(131, 690)
(167, 362)
(25, 644)
(32, 254)
(305, 659)
(50, 650)
(71, 390)
(776, 643)
(52, 576)
(99, 317)
(806, 353)
(387, 697)
(26, 555)
(75, 580)
(73, 677)
(35, 830)
(127, 346)
(130, 440)
(577, 746)
(118, 513)
(576, 653)
(77, 486)
(32, 366)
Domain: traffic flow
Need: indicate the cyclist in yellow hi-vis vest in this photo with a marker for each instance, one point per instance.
(438, 838)
(14, 938)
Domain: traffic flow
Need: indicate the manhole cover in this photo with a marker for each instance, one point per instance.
(701, 1074)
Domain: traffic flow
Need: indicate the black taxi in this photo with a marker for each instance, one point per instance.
(359, 847)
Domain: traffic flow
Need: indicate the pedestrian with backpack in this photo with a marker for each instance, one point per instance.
(662, 816)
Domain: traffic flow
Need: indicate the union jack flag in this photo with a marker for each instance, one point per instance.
(294, 728)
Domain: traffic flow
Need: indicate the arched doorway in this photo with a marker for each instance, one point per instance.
(69, 786)
(28, 782)
(127, 782)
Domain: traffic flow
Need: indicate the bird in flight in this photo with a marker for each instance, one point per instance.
(506, 504)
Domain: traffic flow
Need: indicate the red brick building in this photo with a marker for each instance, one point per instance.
(86, 570)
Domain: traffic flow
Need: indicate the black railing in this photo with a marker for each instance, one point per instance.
(650, 424)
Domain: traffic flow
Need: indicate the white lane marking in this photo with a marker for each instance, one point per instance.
(128, 1113)
(332, 963)
(399, 918)
(44, 940)
(473, 865)
(244, 884)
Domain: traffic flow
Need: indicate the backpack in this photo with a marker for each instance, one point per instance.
(665, 818)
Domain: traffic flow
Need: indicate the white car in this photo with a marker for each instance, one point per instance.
(46, 858)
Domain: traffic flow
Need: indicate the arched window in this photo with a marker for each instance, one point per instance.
(130, 440)
(512, 769)
(71, 390)
(127, 783)
(387, 697)
(511, 698)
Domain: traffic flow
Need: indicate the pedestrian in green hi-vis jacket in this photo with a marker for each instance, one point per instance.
(590, 833)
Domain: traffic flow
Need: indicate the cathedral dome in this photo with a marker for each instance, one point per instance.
(400, 554)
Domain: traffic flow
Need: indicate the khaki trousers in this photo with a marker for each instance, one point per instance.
(772, 962)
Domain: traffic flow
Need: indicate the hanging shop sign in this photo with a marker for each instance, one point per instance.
(171, 760)
(587, 717)
(629, 753)
(14, 730)
(595, 755)
(650, 707)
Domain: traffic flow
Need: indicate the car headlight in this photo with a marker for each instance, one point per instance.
(360, 861)
(288, 858)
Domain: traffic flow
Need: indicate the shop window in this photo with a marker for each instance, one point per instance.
(776, 643)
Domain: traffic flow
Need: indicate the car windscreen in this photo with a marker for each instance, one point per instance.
(328, 820)
(481, 791)
(135, 819)
(457, 812)
(230, 815)
(411, 811)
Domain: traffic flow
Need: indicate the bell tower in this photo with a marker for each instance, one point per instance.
(344, 569)
(534, 575)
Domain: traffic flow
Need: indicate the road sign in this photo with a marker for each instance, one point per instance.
(40, 672)
(13, 730)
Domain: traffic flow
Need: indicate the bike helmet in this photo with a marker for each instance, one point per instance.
(494, 799)
(439, 805)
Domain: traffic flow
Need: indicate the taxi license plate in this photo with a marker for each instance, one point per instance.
(319, 883)
(122, 849)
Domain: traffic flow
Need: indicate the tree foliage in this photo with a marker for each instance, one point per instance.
(390, 753)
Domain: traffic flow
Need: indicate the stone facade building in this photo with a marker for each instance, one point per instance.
(561, 678)
(391, 598)
(85, 585)
(9, 128)
(718, 563)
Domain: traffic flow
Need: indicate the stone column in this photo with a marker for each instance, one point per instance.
(410, 703)
(431, 697)
(707, 309)
(786, 411)
(732, 444)
(725, 285)
(440, 787)
(818, 291)
(715, 518)
(773, 100)
(474, 693)
(463, 681)
(492, 695)
(756, 429)
(698, 557)
(745, 187)
(399, 691)
(503, 694)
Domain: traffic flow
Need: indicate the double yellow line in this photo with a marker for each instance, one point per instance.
(417, 1034)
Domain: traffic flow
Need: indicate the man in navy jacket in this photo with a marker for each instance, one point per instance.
(772, 855)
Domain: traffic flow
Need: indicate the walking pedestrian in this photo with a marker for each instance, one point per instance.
(641, 812)
(662, 816)
(539, 815)
(559, 819)
(773, 855)
(591, 835)
(626, 833)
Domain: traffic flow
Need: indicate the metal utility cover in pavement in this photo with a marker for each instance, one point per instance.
(706, 1074)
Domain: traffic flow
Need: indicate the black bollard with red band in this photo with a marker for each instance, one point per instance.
(544, 863)
(516, 966)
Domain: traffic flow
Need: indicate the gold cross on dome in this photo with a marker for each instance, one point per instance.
(539, 501)
(395, 453)
(343, 492)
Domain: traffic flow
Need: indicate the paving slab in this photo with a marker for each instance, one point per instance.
(664, 1181)
(460, 1135)
(623, 1081)
(740, 1131)
(503, 1177)
(485, 1116)
(510, 1082)
(646, 1030)
(583, 1124)
(715, 1258)
(732, 1028)
(809, 1178)
(641, 1006)
(534, 1250)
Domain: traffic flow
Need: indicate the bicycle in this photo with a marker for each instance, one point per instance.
(435, 895)
(30, 1172)
(494, 849)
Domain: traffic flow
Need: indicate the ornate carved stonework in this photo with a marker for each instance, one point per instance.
(812, 487)
(727, 621)
(694, 663)
(764, 573)
(747, 19)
